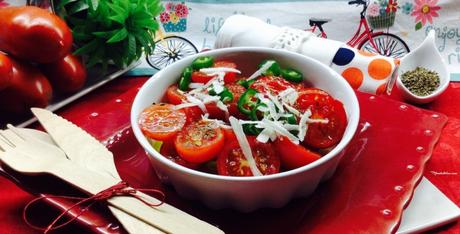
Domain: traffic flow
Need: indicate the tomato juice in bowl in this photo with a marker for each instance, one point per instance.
(248, 193)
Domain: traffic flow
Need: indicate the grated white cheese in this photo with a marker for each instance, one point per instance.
(276, 102)
(289, 96)
(281, 130)
(261, 70)
(292, 110)
(214, 70)
(221, 123)
(303, 127)
(198, 102)
(195, 85)
(218, 87)
(270, 106)
(223, 107)
(291, 127)
(244, 144)
(184, 105)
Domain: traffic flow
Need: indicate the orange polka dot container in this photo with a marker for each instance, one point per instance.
(364, 71)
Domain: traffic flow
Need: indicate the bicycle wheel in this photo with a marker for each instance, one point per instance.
(170, 49)
(387, 44)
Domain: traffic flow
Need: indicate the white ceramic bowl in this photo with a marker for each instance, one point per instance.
(248, 193)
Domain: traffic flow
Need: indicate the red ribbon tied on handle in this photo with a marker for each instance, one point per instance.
(120, 189)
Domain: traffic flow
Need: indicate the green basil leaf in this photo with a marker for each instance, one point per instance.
(118, 18)
(119, 36)
(91, 46)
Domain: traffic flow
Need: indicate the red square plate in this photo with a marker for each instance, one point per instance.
(373, 183)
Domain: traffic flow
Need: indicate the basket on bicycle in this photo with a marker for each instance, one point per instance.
(381, 14)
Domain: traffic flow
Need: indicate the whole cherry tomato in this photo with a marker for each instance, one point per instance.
(28, 88)
(6, 71)
(34, 34)
(67, 75)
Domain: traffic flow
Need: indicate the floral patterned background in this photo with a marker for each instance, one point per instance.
(199, 20)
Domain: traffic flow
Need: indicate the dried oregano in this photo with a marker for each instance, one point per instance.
(421, 81)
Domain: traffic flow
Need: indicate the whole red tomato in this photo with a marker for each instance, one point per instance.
(28, 88)
(67, 75)
(6, 71)
(34, 34)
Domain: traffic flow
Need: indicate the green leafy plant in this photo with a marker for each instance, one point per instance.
(111, 31)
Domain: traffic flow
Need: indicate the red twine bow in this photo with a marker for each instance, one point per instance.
(120, 189)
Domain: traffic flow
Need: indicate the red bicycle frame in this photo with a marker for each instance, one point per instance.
(313, 29)
(359, 36)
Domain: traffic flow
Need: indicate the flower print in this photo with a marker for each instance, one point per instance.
(169, 6)
(373, 10)
(425, 10)
(174, 18)
(392, 6)
(383, 3)
(181, 10)
(164, 17)
(407, 8)
(383, 11)
(3, 3)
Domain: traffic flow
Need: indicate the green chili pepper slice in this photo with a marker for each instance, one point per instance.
(289, 119)
(255, 112)
(245, 83)
(251, 129)
(290, 74)
(226, 96)
(248, 101)
(273, 70)
(203, 62)
(185, 79)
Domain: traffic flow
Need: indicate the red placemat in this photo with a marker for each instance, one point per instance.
(294, 210)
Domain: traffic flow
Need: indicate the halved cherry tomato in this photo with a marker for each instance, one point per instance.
(174, 97)
(323, 106)
(311, 90)
(272, 84)
(292, 155)
(161, 121)
(232, 162)
(200, 77)
(230, 77)
(200, 141)
(168, 150)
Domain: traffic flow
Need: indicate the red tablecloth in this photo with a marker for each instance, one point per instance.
(442, 170)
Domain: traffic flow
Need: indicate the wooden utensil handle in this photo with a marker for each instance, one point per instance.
(165, 217)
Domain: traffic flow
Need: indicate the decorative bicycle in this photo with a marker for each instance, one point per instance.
(365, 38)
(170, 49)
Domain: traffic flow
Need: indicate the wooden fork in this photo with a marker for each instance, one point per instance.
(31, 157)
(131, 224)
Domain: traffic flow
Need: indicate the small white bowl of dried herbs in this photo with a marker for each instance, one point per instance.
(423, 73)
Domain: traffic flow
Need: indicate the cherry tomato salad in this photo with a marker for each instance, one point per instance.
(215, 120)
